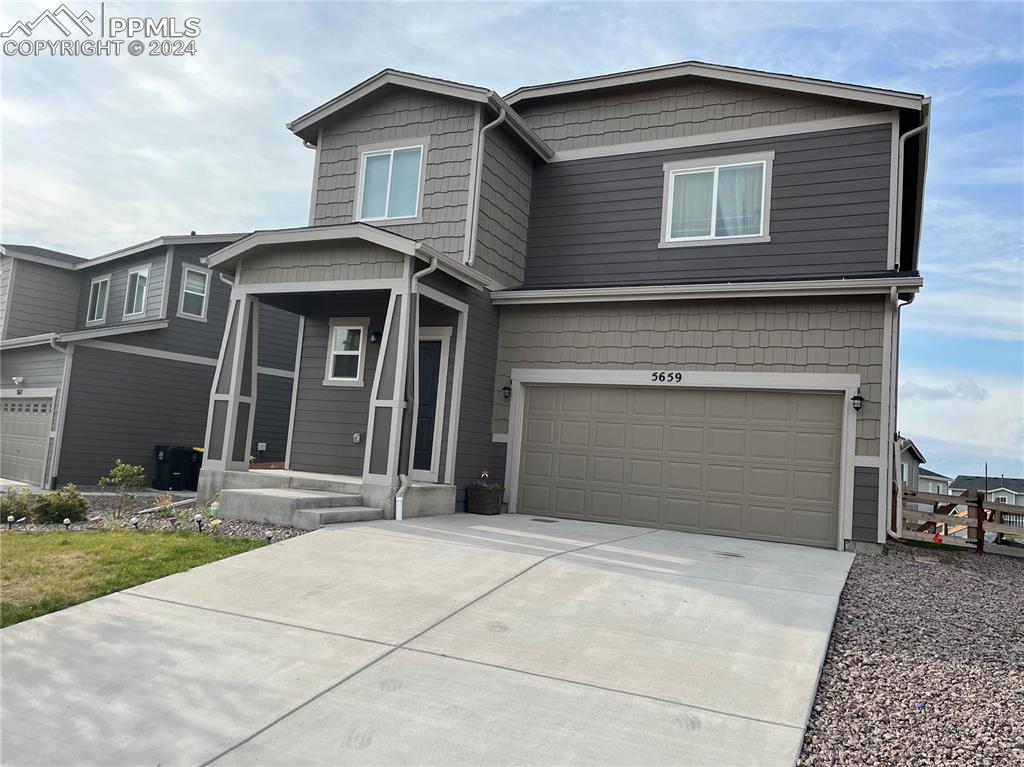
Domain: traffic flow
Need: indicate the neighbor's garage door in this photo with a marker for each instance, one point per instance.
(755, 464)
(24, 438)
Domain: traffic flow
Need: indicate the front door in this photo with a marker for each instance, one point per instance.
(433, 368)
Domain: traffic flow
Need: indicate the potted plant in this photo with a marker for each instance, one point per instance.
(484, 496)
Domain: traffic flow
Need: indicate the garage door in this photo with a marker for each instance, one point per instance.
(24, 438)
(754, 464)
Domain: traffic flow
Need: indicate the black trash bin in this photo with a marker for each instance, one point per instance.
(197, 464)
(173, 468)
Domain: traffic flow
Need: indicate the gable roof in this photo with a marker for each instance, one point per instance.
(908, 444)
(810, 85)
(41, 255)
(974, 482)
(307, 127)
(931, 474)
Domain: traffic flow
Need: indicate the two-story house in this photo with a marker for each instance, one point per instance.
(109, 357)
(667, 297)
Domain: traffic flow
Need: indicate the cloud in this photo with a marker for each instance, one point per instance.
(966, 389)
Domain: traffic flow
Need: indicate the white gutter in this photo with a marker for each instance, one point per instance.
(471, 225)
(826, 287)
(414, 300)
(899, 183)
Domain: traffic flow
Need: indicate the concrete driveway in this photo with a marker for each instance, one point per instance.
(452, 640)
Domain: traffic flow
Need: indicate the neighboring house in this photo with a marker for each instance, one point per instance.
(931, 482)
(654, 298)
(107, 358)
(998, 489)
(910, 462)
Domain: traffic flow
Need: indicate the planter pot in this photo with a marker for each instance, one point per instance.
(483, 500)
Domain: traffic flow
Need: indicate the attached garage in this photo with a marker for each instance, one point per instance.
(748, 462)
(25, 426)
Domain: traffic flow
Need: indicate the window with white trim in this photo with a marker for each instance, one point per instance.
(346, 351)
(99, 291)
(195, 285)
(135, 295)
(390, 183)
(709, 201)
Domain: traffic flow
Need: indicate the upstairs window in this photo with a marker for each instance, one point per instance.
(98, 292)
(390, 183)
(708, 201)
(346, 351)
(135, 296)
(195, 285)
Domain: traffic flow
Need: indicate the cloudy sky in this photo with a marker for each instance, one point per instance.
(99, 153)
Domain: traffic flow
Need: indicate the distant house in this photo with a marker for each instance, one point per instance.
(999, 489)
(911, 459)
(108, 357)
(932, 482)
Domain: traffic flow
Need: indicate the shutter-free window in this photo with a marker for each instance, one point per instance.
(135, 298)
(715, 202)
(391, 183)
(98, 291)
(346, 352)
(193, 295)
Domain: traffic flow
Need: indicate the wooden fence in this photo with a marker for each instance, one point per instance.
(962, 520)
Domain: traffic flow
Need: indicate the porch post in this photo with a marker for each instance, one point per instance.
(233, 399)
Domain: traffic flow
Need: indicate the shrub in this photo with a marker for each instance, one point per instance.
(15, 503)
(164, 507)
(125, 477)
(56, 506)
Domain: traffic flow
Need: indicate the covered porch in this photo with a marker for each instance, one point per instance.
(374, 413)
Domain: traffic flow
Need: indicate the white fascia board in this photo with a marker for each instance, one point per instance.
(158, 242)
(131, 327)
(846, 91)
(22, 256)
(519, 126)
(705, 291)
(37, 340)
(456, 269)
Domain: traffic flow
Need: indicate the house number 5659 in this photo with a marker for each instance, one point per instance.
(661, 376)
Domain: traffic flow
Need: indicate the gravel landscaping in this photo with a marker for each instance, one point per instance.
(925, 665)
(102, 516)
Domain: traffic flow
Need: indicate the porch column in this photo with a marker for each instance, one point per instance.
(233, 399)
(387, 400)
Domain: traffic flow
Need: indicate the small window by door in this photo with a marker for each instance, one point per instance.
(346, 351)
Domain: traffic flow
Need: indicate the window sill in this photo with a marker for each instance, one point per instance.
(94, 323)
(135, 316)
(192, 317)
(715, 241)
(417, 219)
(348, 384)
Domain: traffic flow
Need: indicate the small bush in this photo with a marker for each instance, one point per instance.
(125, 477)
(56, 506)
(164, 507)
(15, 503)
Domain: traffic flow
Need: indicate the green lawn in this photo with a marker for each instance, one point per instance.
(44, 572)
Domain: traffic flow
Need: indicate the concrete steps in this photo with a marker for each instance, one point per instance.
(306, 509)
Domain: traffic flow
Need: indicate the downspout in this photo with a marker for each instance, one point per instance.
(894, 367)
(899, 184)
(406, 480)
(471, 225)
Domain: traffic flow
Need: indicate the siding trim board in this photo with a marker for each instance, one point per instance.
(720, 137)
(147, 352)
(295, 393)
(845, 383)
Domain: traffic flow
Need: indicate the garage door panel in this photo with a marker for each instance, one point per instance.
(25, 438)
(731, 462)
(542, 399)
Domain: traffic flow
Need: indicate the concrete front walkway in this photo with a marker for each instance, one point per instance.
(450, 641)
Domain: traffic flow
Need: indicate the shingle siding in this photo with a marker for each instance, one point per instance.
(669, 110)
(814, 335)
(44, 300)
(865, 504)
(504, 213)
(317, 262)
(597, 221)
(405, 114)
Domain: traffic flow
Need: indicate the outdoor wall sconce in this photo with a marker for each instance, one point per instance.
(506, 391)
(375, 337)
(18, 381)
(857, 400)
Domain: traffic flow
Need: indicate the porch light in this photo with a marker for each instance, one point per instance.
(506, 391)
(857, 400)
(374, 336)
(18, 381)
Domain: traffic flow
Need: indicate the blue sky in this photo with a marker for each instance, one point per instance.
(103, 152)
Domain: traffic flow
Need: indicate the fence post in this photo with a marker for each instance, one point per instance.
(981, 522)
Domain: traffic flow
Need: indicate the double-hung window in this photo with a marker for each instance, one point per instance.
(713, 200)
(346, 351)
(195, 285)
(99, 290)
(135, 295)
(389, 185)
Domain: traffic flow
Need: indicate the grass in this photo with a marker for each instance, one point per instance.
(44, 572)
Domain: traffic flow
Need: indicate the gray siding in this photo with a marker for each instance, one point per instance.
(436, 315)
(597, 221)
(326, 417)
(813, 335)
(317, 262)
(122, 406)
(44, 300)
(865, 504)
(504, 213)
(6, 272)
(403, 114)
(118, 270)
(688, 107)
(273, 406)
(279, 332)
(40, 366)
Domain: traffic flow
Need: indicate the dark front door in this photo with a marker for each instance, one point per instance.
(426, 415)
